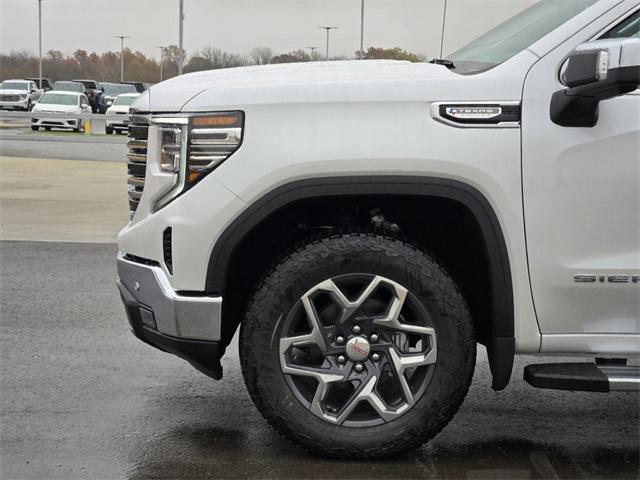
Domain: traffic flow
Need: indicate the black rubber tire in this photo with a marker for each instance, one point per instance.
(324, 258)
(48, 129)
(35, 128)
(108, 130)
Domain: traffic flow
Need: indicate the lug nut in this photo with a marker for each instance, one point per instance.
(356, 329)
(358, 367)
(342, 359)
(375, 357)
(374, 337)
(340, 339)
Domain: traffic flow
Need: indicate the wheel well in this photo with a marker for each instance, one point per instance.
(451, 220)
(443, 227)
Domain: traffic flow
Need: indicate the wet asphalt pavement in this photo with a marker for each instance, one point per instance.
(80, 397)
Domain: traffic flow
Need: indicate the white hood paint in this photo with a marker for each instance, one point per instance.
(14, 92)
(118, 109)
(191, 91)
(52, 108)
(356, 81)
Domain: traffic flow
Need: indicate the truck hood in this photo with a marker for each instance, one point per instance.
(14, 92)
(118, 109)
(194, 91)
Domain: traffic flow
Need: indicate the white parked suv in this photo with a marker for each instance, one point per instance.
(60, 109)
(367, 224)
(18, 94)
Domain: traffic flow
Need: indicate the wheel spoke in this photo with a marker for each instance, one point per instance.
(392, 318)
(323, 375)
(367, 393)
(348, 307)
(401, 363)
(314, 321)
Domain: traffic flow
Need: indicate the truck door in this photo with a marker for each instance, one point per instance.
(581, 189)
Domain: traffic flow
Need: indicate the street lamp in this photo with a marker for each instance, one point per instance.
(362, 30)
(40, 43)
(121, 37)
(161, 47)
(313, 50)
(180, 37)
(328, 29)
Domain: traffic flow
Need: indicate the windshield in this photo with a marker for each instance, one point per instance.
(69, 86)
(124, 100)
(14, 86)
(58, 99)
(88, 84)
(114, 89)
(516, 34)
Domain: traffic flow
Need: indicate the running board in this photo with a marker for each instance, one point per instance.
(585, 377)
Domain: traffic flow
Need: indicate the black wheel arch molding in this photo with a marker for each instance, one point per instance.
(501, 342)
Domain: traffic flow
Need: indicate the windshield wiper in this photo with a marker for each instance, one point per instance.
(443, 61)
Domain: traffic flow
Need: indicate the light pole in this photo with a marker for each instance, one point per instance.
(328, 29)
(180, 36)
(362, 30)
(40, 42)
(121, 37)
(313, 50)
(161, 58)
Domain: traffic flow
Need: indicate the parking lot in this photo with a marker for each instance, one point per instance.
(82, 398)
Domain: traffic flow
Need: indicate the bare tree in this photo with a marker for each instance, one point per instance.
(261, 55)
(218, 58)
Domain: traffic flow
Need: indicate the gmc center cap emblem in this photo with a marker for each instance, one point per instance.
(358, 349)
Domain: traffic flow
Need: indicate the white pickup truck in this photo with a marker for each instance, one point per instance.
(18, 94)
(367, 224)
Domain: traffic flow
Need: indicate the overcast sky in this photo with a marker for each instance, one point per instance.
(239, 25)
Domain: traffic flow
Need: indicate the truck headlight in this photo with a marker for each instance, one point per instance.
(192, 146)
(212, 139)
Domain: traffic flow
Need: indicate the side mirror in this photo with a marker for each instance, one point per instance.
(85, 105)
(594, 72)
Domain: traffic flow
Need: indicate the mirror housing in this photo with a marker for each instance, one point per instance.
(595, 71)
(84, 105)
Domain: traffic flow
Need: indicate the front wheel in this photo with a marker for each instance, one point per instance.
(358, 345)
(109, 130)
(35, 128)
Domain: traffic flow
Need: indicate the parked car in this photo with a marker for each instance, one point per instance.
(368, 232)
(47, 84)
(68, 86)
(111, 90)
(60, 102)
(94, 94)
(139, 86)
(18, 95)
(120, 106)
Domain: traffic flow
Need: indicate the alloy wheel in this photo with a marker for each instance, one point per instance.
(358, 350)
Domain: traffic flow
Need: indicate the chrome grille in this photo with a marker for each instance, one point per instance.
(210, 146)
(137, 155)
(9, 98)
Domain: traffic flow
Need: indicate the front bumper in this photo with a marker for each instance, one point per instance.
(122, 124)
(186, 325)
(42, 121)
(17, 105)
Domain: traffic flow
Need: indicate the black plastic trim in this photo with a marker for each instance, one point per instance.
(203, 355)
(501, 344)
(578, 106)
(584, 377)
